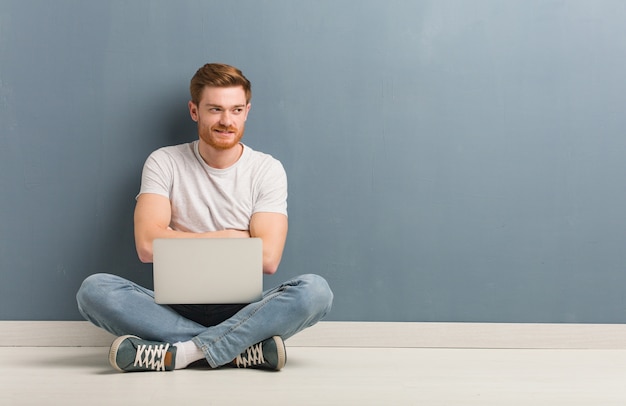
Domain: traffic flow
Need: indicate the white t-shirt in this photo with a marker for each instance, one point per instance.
(208, 199)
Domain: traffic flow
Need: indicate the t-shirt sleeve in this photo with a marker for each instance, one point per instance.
(272, 196)
(157, 175)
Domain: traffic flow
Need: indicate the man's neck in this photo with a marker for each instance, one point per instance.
(218, 158)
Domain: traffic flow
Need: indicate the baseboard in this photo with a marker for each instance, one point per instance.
(359, 334)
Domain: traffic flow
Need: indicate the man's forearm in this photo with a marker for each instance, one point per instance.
(144, 240)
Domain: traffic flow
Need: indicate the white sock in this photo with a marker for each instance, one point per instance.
(186, 353)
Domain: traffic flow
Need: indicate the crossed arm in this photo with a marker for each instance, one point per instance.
(153, 214)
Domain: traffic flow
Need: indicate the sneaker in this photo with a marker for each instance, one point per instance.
(132, 354)
(268, 354)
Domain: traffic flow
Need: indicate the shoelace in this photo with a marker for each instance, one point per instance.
(151, 356)
(251, 357)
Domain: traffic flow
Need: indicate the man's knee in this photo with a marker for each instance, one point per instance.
(93, 289)
(319, 294)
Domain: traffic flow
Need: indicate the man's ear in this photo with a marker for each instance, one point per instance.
(193, 110)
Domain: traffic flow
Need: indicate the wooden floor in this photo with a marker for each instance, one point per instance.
(326, 376)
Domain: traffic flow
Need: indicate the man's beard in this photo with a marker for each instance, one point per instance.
(219, 143)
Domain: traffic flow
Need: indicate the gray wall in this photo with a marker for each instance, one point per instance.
(449, 160)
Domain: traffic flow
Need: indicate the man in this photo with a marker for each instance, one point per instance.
(212, 187)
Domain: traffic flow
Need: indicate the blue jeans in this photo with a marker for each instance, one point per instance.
(122, 307)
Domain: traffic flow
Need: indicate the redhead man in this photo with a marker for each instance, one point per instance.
(213, 187)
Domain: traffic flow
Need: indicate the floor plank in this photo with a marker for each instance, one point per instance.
(326, 376)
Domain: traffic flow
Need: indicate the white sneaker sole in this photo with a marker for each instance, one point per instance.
(282, 353)
(113, 351)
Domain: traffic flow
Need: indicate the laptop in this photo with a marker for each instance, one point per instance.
(207, 270)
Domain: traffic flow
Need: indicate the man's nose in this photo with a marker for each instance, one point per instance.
(225, 119)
